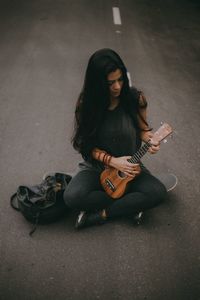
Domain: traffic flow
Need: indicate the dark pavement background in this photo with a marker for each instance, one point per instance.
(44, 49)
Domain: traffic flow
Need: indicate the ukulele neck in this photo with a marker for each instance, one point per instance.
(140, 153)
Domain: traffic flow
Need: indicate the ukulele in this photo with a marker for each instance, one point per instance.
(114, 181)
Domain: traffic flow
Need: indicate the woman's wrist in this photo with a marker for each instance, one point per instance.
(112, 162)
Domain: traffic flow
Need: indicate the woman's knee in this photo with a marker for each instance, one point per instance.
(160, 193)
(78, 188)
(155, 192)
(72, 198)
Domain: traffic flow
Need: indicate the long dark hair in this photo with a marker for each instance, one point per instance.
(94, 99)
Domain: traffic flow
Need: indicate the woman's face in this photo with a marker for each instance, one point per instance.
(115, 82)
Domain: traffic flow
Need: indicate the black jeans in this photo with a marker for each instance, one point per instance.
(84, 193)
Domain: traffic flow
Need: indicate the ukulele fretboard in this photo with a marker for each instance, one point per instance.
(140, 153)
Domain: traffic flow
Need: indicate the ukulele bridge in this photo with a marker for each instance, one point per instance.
(110, 185)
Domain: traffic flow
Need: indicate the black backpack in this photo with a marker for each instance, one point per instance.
(42, 203)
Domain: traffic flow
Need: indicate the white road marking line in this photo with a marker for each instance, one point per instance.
(116, 16)
(129, 78)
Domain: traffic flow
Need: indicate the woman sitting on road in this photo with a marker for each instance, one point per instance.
(110, 118)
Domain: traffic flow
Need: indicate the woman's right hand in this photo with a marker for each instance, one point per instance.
(122, 164)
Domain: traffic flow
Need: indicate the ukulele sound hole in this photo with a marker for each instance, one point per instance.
(121, 174)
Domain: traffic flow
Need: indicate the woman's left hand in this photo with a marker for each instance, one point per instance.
(154, 149)
(145, 137)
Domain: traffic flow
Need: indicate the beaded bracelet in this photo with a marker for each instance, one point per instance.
(109, 159)
(104, 157)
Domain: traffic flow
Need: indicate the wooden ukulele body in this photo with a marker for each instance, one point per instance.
(114, 182)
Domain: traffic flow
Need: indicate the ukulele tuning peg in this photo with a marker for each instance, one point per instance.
(161, 123)
(165, 141)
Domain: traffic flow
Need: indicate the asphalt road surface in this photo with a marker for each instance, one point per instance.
(44, 49)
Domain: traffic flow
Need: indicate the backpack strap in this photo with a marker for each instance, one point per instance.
(36, 223)
(13, 202)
